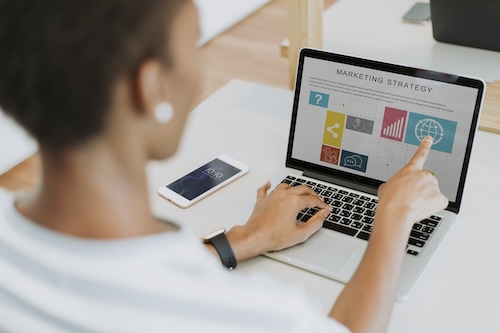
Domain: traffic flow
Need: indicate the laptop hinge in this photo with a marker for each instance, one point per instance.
(341, 182)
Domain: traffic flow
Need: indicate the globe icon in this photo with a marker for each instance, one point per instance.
(430, 127)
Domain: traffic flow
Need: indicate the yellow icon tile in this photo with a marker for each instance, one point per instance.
(334, 128)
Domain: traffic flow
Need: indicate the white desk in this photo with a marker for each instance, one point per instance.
(460, 291)
(374, 29)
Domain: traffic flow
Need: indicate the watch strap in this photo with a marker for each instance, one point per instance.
(224, 249)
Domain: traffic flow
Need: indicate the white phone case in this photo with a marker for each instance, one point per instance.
(185, 200)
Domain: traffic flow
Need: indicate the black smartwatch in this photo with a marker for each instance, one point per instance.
(219, 240)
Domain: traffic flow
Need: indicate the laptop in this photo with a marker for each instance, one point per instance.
(355, 123)
(467, 22)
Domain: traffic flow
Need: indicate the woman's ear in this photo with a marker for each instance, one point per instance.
(148, 87)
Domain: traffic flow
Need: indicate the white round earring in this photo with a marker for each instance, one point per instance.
(164, 112)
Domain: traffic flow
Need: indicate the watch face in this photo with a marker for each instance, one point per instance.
(211, 235)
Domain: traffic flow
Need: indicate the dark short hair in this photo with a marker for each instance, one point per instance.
(60, 59)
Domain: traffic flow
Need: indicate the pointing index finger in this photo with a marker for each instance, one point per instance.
(420, 155)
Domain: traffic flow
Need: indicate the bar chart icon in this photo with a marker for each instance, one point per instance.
(393, 125)
(395, 129)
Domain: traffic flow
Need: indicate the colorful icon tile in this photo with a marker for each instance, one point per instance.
(442, 130)
(360, 125)
(354, 161)
(334, 128)
(393, 125)
(330, 155)
(319, 99)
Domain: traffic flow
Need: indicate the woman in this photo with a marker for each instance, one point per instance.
(104, 86)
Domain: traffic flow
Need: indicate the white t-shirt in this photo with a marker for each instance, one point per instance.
(50, 282)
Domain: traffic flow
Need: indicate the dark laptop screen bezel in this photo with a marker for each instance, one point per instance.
(366, 182)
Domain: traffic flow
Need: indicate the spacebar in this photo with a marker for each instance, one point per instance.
(340, 228)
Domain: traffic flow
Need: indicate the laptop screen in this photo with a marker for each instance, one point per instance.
(362, 120)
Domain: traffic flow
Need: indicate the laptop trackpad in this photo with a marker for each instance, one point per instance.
(326, 251)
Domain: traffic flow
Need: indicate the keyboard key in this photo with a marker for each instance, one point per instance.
(347, 206)
(286, 181)
(305, 217)
(358, 210)
(369, 205)
(367, 228)
(348, 199)
(336, 210)
(328, 201)
(356, 225)
(365, 198)
(429, 223)
(343, 192)
(370, 213)
(356, 217)
(333, 189)
(327, 193)
(311, 183)
(312, 211)
(345, 213)
(333, 218)
(436, 218)
(300, 180)
(345, 221)
(358, 202)
(321, 186)
(375, 201)
(428, 230)
(419, 235)
(295, 184)
(413, 253)
(416, 242)
(417, 226)
(354, 195)
(290, 177)
(341, 228)
(337, 196)
(299, 215)
(337, 203)
(363, 235)
(367, 220)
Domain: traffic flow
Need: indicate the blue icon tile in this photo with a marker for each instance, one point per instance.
(318, 99)
(442, 130)
(353, 161)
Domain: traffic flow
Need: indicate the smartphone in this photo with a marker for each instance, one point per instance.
(420, 13)
(199, 183)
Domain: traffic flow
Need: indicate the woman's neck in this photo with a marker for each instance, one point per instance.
(98, 191)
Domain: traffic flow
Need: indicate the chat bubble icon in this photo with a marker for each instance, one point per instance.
(350, 161)
(354, 161)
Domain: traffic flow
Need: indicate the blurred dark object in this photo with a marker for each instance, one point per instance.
(474, 23)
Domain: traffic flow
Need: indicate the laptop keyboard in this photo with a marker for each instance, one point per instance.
(353, 214)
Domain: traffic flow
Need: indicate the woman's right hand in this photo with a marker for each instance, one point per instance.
(412, 194)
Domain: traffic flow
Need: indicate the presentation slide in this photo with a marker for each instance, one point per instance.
(370, 122)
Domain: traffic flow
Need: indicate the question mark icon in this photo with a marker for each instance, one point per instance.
(318, 98)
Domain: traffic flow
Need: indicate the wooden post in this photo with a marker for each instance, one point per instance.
(305, 28)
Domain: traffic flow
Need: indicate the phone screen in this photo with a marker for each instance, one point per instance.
(203, 179)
